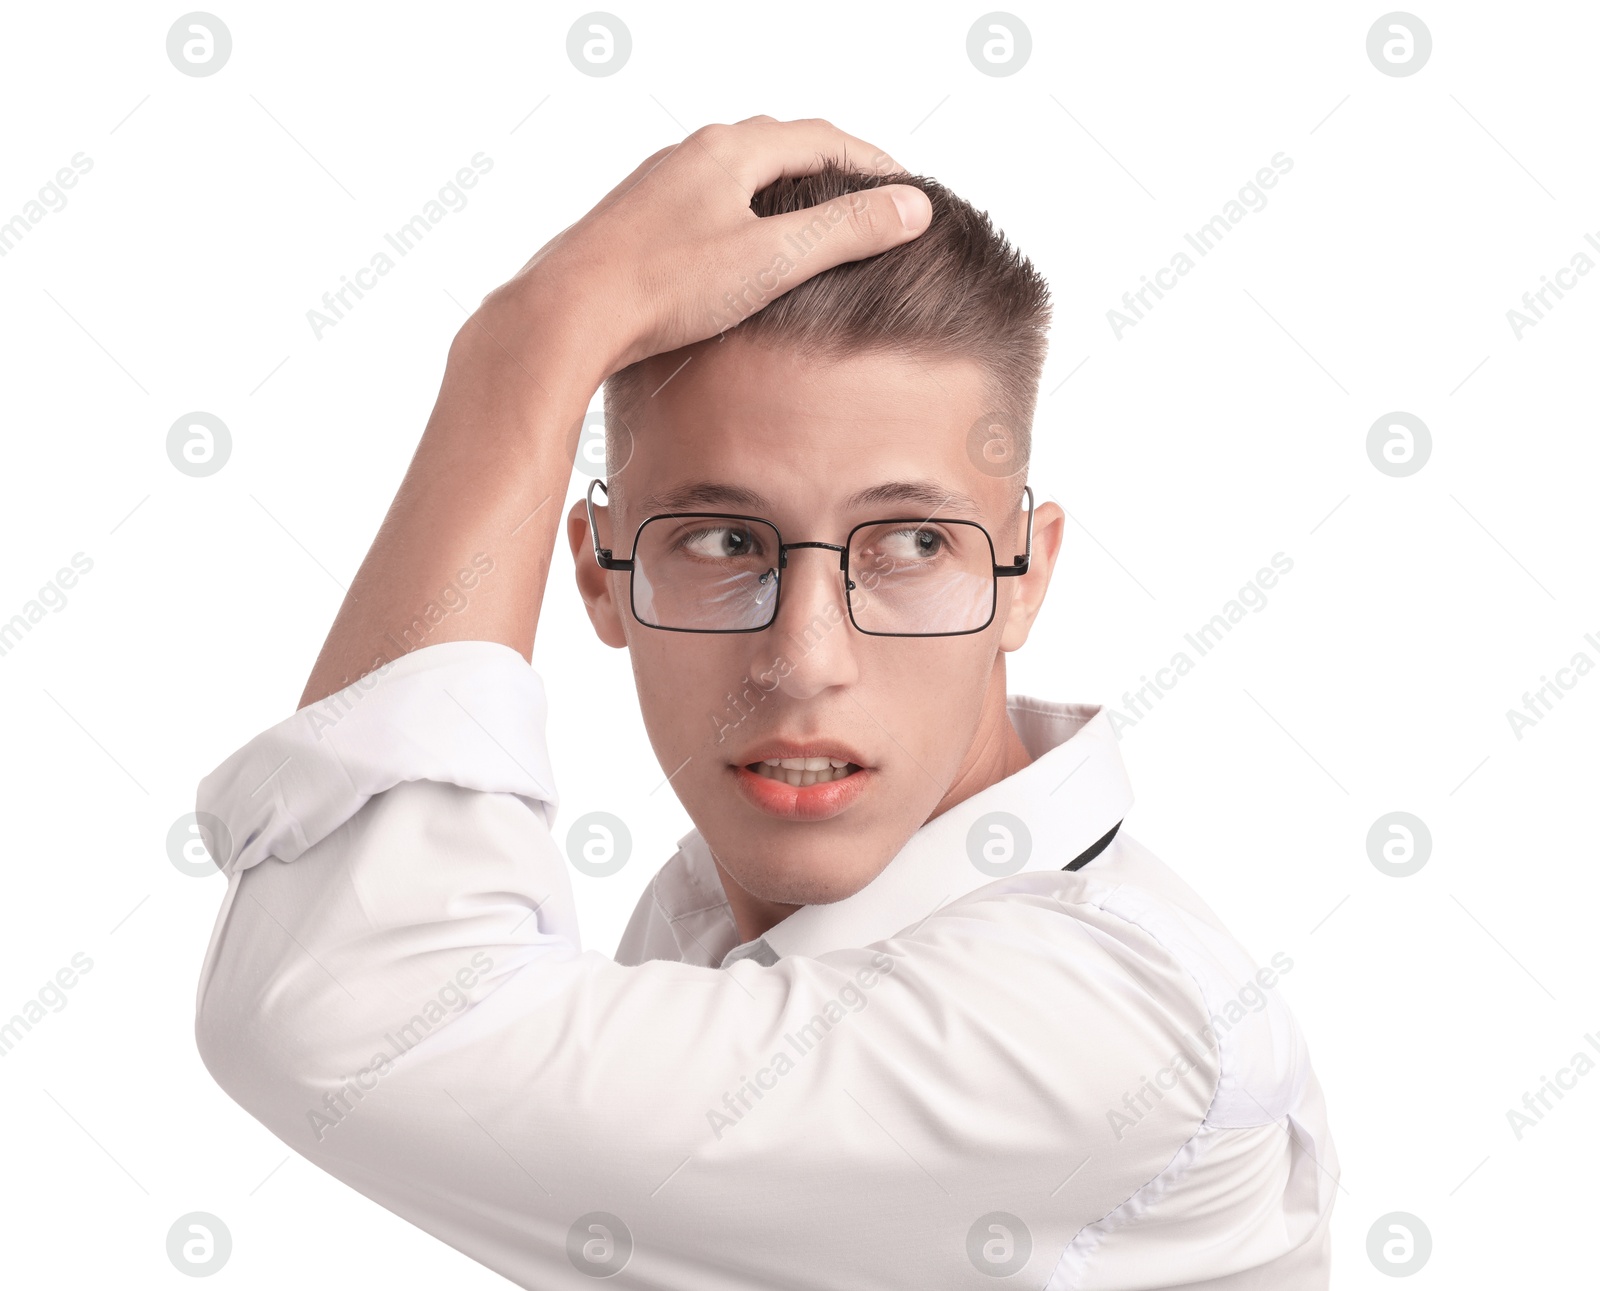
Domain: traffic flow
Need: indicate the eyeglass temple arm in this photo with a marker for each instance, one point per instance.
(1019, 564)
(602, 555)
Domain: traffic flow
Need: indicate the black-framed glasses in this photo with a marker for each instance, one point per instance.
(713, 571)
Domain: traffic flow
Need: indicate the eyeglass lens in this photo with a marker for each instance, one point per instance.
(718, 573)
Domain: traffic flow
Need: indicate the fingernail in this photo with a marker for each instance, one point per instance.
(914, 207)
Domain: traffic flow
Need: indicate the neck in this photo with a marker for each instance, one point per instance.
(997, 751)
(752, 916)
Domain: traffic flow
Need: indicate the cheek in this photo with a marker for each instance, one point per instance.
(955, 669)
(696, 699)
(929, 697)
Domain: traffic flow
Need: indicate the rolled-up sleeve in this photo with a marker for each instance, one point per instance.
(397, 989)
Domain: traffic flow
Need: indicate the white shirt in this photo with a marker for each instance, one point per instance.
(1077, 1079)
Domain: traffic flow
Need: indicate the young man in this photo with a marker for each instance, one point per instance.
(915, 1012)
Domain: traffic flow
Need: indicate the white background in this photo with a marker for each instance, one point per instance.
(1228, 425)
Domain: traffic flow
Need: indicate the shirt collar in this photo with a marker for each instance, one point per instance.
(1072, 793)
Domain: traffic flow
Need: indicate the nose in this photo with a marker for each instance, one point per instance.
(812, 629)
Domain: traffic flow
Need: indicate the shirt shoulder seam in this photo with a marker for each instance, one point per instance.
(1188, 1149)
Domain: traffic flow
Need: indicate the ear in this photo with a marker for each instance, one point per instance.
(1027, 590)
(599, 588)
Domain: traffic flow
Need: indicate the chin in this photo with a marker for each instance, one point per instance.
(804, 884)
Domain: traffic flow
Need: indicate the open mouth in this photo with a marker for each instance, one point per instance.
(800, 772)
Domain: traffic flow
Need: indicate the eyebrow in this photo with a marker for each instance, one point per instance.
(928, 496)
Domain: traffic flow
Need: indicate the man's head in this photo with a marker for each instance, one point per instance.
(958, 290)
(910, 377)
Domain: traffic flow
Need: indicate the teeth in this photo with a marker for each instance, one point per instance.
(801, 772)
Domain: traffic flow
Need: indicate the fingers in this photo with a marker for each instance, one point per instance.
(852, 227)
(759, 150)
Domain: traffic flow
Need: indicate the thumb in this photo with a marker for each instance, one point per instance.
(852, 227)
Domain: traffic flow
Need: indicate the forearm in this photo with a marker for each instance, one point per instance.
(646, 272)
(483, 493)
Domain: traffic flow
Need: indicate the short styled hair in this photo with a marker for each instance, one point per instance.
(959, 289)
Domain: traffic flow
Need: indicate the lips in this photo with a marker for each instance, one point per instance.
(812, 802)
(775, 796)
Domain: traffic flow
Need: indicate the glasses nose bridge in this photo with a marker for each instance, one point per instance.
(785, 548)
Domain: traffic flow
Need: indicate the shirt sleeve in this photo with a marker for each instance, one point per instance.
(396, 988)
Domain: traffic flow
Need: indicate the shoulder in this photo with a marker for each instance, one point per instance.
(1220, 1002)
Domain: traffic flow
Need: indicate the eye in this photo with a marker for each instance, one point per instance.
(911, 545)
(719, 542)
